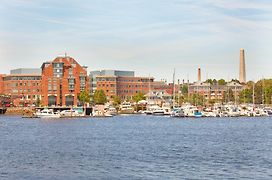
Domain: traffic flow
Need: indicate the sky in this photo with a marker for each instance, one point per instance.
(151, 37)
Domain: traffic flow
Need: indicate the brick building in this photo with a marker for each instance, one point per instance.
(62, 81)
(23, 86)
(210, 91)
(2, 83)
(123, 86)
(164, 86)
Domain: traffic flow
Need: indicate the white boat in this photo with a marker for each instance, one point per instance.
(158, 112)
(71, 113)
(167, 109)
(100, 111)
(150, 108)
(177, 112)
(126, 108)
(111, 111)
(267, 112)
(192, 111)
(233, 111)
(47, 113)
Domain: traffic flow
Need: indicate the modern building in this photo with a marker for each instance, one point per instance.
(242, 67)
(23, 86)
(109, 73)
(62, 81)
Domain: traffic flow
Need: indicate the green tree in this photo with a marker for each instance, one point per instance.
(222, 82)
(209, 81)
(245, 96)
(138, 97)
(197, 99)
(235, 80)
(84, 97)
(38, 102)
(228, 96)
(214, 82)
(99, 97)
(184, 89)
(179, 99)
(116, 101)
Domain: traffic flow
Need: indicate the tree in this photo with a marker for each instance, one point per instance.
(138, 97)
(116, 101)
(184, 89)
(245, 96)
(209, 81)
(38, 102)
(214, 82)
(84, 97)
(235, 80)
(221, 82)
(229, 96)
(100, 97)
(197, 99)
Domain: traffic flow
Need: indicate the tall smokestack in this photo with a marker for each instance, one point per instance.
(242, 68)
(199, 75)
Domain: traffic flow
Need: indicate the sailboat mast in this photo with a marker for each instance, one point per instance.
(174, 87)
(178, 93)
(253, 95)
(263, 91)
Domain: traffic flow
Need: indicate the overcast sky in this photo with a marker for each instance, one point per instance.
(147, 36)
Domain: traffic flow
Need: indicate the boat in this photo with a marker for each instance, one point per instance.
(158, 112)
(233, 111)
(192, 111)
(47, 113)
(110, 111)
(167, 109)
(177, 112)
(150, 108)
(126, 108)
(267, 112)
(71, 113)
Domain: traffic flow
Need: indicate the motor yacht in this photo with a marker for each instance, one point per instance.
(47, 113)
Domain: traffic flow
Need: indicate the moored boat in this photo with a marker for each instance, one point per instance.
(47, 113)
(126, 108)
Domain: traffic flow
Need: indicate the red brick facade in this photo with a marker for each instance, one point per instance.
(124, 87)
(24, 90)
(62, 81)
(2, 83)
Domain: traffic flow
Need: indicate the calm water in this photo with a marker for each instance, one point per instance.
(136, 147)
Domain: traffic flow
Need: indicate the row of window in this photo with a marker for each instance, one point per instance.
(129, 91)
(24, 90)
(32, 78)
(24, 84)
(30, 97)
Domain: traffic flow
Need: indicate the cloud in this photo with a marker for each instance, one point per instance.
(155, 34)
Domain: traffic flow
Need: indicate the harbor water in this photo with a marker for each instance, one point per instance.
(136, 147)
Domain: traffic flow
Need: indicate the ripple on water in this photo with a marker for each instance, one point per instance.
(136, 147)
